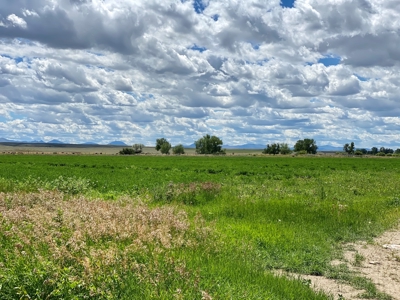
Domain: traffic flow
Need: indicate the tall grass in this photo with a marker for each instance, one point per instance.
(185, 228)
(75, 248)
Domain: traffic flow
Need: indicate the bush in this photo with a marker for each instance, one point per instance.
(358, 152)
(380, 154)
(178, 149)
(127, 151)
(138, 148)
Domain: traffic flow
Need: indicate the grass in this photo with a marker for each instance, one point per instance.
(186, 227)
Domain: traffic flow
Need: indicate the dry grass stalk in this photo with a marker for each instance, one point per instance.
(68, 226)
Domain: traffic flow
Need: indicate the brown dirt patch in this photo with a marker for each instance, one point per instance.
(378, 261)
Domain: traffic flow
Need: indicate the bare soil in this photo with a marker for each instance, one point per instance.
(379, 261)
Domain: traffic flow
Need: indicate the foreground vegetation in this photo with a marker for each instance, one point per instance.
(77, 227)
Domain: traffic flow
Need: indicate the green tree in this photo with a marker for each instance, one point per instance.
(346, 147)
(284, 148)
(349, 149)
(374, 150)
(276, 148)
(308, 145)
(272, 149)
(209, 145)
(386, 150)
(397, 151)
(165, 147)
(362, 150)
(178, 149)
(160, 142)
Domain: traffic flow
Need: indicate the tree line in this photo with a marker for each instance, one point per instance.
(382, 151)
(205, 145)
(213, 145)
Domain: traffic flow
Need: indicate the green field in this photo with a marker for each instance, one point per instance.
(186, 227)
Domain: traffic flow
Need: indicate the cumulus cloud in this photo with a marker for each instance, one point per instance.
(16, 21)
(252, 71)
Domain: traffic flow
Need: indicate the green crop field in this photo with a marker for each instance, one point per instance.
(186, 227)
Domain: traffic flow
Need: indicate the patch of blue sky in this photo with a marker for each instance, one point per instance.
(287, 3)
(15, 116)
(143, 97)
(215, 17)
(198, 48)
(330, 60)
(199, 6)
(255, 46)
(17, 59)
(362, 78)
(3, 119)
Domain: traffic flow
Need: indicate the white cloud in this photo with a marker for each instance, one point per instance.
(137, 70)
(17, 21)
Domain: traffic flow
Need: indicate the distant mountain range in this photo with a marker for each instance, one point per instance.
(245, 146)
(117, 143)
(54, 141)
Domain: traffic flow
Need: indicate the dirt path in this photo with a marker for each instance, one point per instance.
(379, 261)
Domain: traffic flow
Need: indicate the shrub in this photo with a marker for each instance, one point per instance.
(127, 151)
(380, 154)
(178, 149)
(138, 148)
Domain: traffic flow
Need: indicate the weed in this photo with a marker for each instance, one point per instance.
(358, 260)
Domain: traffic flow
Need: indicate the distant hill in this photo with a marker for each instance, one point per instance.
(117, 143)
(329, 148)
(3, 140)
(245, 146)
(55, 142)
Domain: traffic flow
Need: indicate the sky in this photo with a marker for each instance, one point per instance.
(251, 71)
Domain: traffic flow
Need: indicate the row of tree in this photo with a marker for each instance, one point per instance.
(205, 145)
(213, 145)
(164, 146)
(350, 149)
(301, 146)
